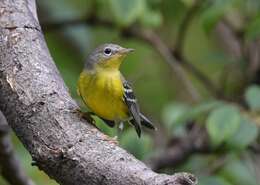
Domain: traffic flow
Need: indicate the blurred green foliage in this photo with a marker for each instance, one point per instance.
(252, 97)
(162, 97)
(222, 123)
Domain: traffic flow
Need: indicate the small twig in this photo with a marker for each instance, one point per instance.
(234, 43)
(10, 166)
(229, 40)
(253, 55)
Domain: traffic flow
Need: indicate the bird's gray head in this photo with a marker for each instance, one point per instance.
(106, 56)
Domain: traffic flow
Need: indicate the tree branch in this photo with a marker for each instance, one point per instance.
(10, 167)
(39, 109)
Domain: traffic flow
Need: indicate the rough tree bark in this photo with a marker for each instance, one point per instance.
(36, 103)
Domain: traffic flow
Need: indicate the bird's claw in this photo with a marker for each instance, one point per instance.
(111, 140)
(86, 116)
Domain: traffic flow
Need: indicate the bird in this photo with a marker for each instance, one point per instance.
(106, 92)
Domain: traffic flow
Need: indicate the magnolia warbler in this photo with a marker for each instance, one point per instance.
(106, 92)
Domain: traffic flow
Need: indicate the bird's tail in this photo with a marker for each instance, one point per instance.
(146, 122)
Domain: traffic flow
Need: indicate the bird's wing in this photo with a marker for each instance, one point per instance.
(131, 102)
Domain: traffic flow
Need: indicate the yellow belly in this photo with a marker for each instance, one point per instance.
(103, 94)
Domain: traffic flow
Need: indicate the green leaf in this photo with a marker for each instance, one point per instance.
(175, 114)
(237, 172)
(246, 134)
(126, 12)
(253, 29)
(222, 123)
(139, 147)
(203, 107)
(213, 180)
(151, 18)
(252, 96)
(188, 3)
(215, 12)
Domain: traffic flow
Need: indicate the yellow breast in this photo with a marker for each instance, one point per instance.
(103, 93)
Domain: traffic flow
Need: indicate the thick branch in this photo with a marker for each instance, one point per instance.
(38, 107)
(10, 167)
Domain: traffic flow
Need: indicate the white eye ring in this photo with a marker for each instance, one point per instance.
(107, 51)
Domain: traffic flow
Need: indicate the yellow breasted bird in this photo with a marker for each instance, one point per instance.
(105, 91)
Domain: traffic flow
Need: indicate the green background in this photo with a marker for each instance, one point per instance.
(230, 117)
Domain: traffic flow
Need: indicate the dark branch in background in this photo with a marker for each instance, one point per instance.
(10, 167)
(229, 40)
(180, 149)
(232, 45)
(253, 54)
(239, 49)
(38, 107)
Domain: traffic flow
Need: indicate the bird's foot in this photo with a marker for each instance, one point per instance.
(121, 126)
(86, 116)
(111, 140)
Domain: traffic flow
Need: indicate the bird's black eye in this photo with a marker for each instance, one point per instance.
(107, 51)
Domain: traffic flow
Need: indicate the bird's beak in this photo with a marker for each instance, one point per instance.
(126, 50)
